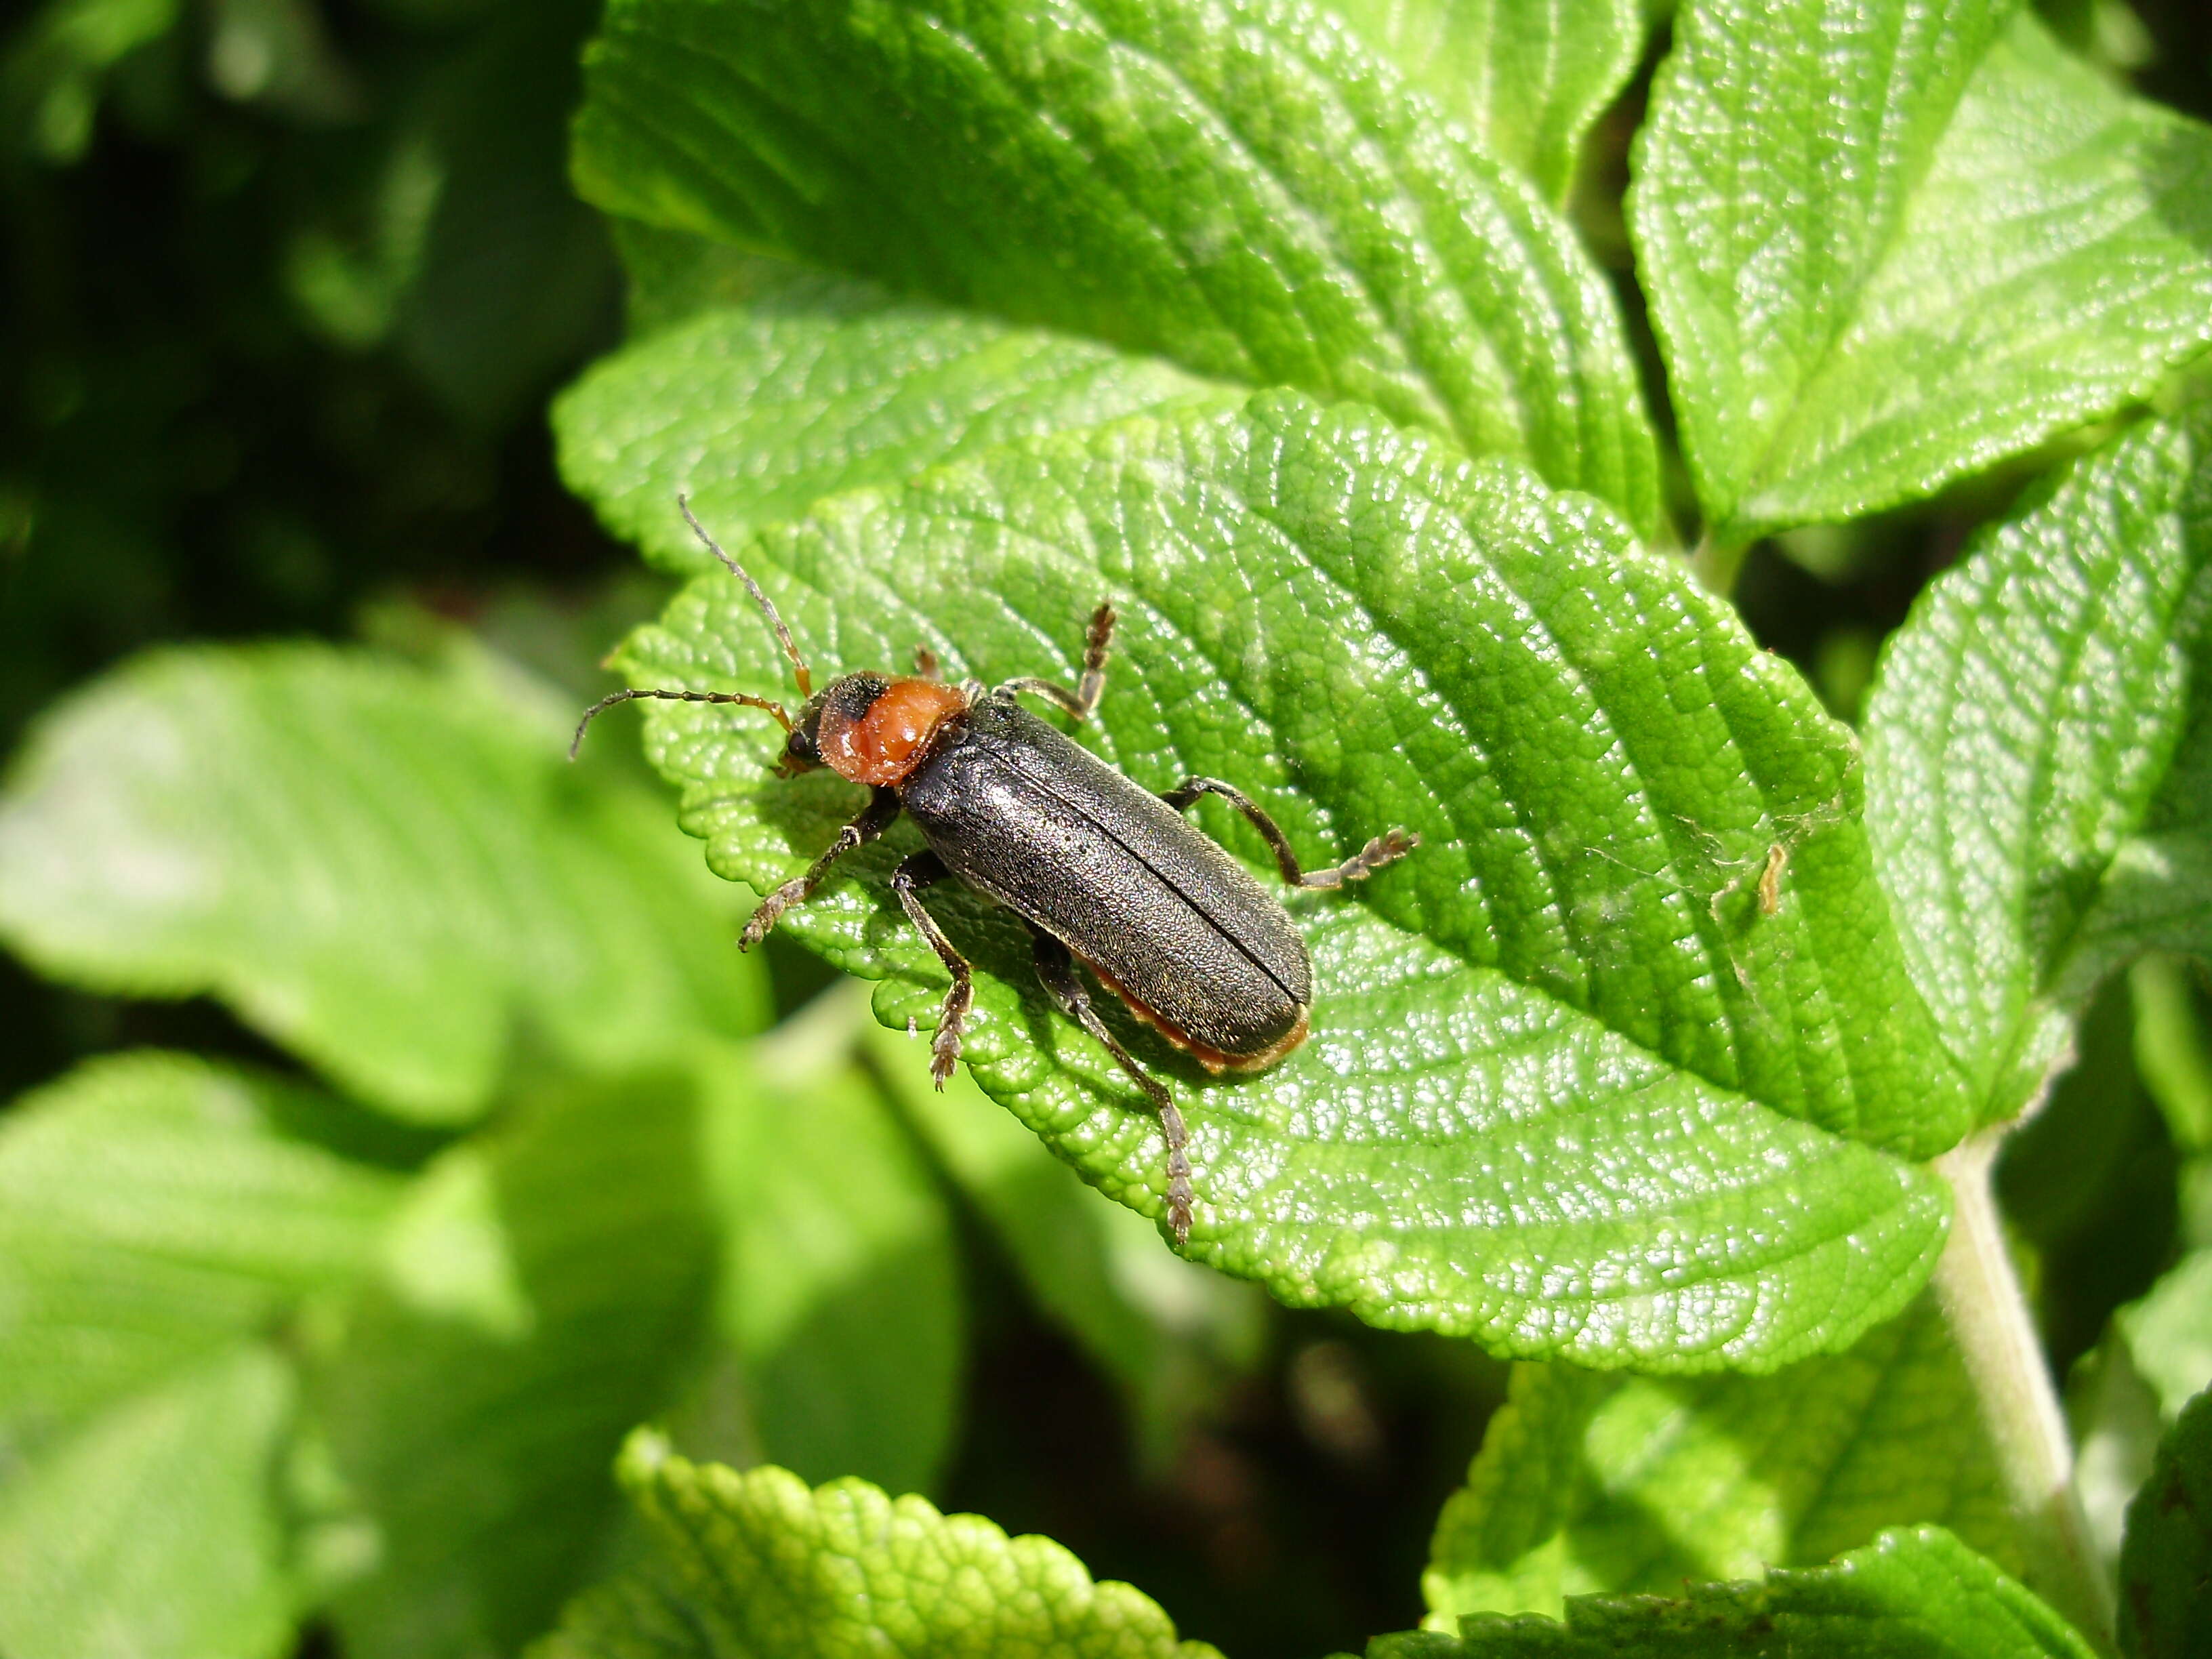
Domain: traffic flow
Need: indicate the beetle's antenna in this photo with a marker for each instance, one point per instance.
(799, 670)
(607, 702)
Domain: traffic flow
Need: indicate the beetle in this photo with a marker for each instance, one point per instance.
(1102, 871)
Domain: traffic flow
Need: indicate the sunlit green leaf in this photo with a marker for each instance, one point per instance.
(2038, 748)
(1915, 1594)
(384, 869)
(839, 1298)
(1236, 186)
(762, 410)
(160, 1219)
(1529, 77)
(1888, 244)
(542, 1293)
(756, 1564)
(153, 1212)
(1164, 1329)
(1570, 1090)
(2169, 1332)
(155, 1534)
(1604, 1484)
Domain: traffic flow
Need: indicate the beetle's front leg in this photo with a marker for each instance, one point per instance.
(875, 817)
(909, 878)
(1386, 848)
(1056, 968)
(1081, 702)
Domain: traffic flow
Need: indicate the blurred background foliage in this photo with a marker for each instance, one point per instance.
(287, 286)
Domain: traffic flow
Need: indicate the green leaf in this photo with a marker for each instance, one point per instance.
(756, 1564)
(840, 1295)
(1529, 78)
(1236, 185)
(2173, 1048)
(158, 1218)
(763, 410)
(156, 1212)
(2114, 1417)
(2169, 1332)
(2165, 1565)
(155, 1534)
(1828, 190)
(542, 1293)
(1911, 1595)
(1163, 1329)
(2037, 746)
(383, 869)
(1590, 1483)
(53, 77)
(1571, 1090)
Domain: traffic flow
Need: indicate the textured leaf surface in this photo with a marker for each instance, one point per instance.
(758, 1566)
(840, 1295)
(154, 1211)
(1597, 1484)
(155, 1533)
(1237, 185)
(1828, 190)
(541, 1292)
(1917, 1594)
(2165, 1565)
(382, 869)
(2038, 746)
(765, 410)
(1569, 1090)
(1162, 1328)
(1529, 77)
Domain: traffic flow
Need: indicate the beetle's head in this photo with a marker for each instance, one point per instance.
(870, 728)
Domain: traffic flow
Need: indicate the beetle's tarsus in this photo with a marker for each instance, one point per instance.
(1386, 848)
(1095, 641)
(1080, 703)
(1179, 1184)
(875, 817)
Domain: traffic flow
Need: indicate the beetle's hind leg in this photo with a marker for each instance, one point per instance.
(1084, 699)
(1386, 848)
(875, 817)
(1056, 968)
(918, 872)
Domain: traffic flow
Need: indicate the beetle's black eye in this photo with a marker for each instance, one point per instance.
(800, 752)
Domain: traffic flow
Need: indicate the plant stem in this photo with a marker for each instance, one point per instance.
(1990, 1321)
(1717, 564)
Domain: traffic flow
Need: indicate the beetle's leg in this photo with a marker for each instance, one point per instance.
(1056, 968)
(909, 878)
(1386, 848)
(1080, 702)
(875, 817)
(925, 662)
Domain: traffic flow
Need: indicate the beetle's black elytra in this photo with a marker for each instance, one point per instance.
(1102, 872)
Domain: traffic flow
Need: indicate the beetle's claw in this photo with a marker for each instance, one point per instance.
(1386, 848)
